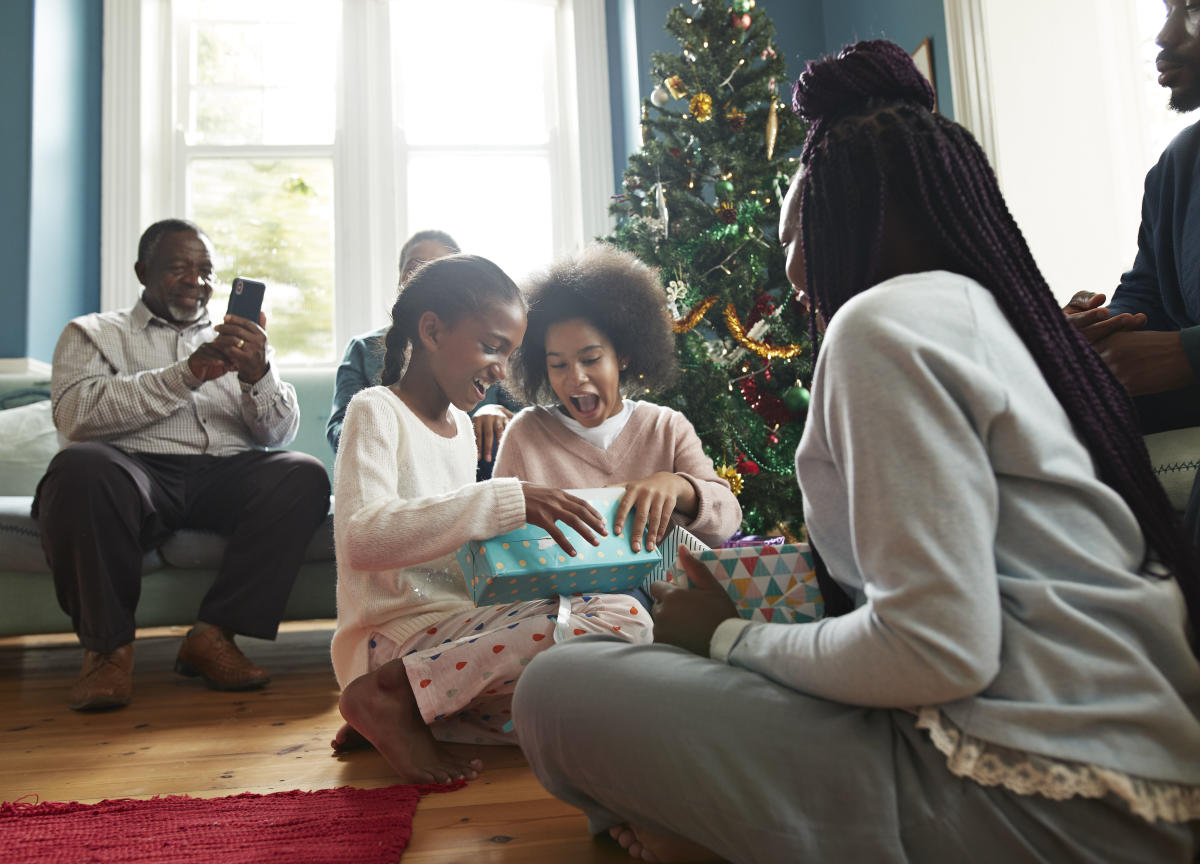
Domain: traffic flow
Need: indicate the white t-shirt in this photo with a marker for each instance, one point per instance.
(600, 436)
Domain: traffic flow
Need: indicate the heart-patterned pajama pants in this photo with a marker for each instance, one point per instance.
(464, 669)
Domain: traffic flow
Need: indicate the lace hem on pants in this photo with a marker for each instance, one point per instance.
(1058, 779)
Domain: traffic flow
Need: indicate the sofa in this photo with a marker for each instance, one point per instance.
(176, 575)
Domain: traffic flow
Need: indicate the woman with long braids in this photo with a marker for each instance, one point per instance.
(1016, 675)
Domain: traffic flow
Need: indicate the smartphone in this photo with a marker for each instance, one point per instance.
(245, 300)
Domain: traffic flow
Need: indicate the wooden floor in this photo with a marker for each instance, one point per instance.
(180, 738)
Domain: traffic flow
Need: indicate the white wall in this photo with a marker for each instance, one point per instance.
(1067, 106)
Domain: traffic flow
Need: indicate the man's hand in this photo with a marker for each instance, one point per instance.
(653, 500)
(490, 422)
(244, 344)
(1146, 361)
(208, 362)
(688, 618)
(1087, 313)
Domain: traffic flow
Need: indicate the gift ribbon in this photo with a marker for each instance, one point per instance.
(562, 626)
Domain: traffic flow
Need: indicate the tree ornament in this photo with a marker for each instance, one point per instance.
(747, 466)
(742, 22)
(796, 399)
(723, 188)
(772, 126)
(660, 201)
(730, 475)
(676, 87)
(727, 213)
(772, 439)
(738, 332)
(736, 119)
(701, 106)
(660, 96)
(690, 320)
(742, 6)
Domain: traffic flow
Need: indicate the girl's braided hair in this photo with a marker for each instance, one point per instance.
(450, 287)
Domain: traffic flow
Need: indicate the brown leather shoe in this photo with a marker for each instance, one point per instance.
(105, 681)
(214, 657)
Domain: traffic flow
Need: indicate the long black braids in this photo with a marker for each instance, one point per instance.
(874, 142)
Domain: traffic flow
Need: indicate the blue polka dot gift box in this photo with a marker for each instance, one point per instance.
(526, 564)
(766, 582)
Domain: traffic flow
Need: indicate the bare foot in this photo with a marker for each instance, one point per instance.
(348, 738)
(645, 844)
(381, 707)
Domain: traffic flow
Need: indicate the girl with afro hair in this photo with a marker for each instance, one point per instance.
(598, 324)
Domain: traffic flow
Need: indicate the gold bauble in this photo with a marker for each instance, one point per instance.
(701, 106)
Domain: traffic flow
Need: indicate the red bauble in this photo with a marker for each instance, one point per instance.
(763, 306)
(747, 466)
(742, 21)
(772, 439)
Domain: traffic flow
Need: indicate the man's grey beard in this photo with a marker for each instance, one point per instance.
(185, 315)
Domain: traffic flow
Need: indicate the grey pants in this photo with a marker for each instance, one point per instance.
(652, 735)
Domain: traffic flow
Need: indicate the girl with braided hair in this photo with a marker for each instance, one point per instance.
(1016, 677)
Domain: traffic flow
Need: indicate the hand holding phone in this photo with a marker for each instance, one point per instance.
(245, 299)
(242, 338)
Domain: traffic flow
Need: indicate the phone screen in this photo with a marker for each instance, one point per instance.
(245, 299)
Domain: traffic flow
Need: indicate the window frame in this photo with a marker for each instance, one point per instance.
(144, 154)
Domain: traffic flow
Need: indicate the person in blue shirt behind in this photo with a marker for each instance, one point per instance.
(362, 363)
(1149, 335)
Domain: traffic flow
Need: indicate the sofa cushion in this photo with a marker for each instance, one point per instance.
(204, 549)
(1175, 456)
(21, 543)
(30, 442)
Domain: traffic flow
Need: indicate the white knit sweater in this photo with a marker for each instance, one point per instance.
(406, 499)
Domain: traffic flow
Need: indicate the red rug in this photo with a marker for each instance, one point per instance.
(363, 826)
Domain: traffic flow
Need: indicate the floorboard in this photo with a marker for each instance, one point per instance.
(180, 738)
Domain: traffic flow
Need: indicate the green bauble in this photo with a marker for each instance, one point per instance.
(795, 399)
(742, 6)
(724, 189)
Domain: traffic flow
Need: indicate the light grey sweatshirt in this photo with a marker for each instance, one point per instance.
(998, 578)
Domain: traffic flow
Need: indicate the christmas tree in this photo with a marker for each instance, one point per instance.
(701, 203)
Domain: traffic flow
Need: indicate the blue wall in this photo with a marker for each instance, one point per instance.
(16, 106)
(905, 22)
(50, 55)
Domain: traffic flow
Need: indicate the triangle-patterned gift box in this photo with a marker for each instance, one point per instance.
(768, 583)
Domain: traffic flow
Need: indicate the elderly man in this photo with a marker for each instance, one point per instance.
(168, 419)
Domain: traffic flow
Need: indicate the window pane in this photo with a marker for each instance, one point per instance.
(477, 72)
(498, 206)
(262, 72)
(272, 219)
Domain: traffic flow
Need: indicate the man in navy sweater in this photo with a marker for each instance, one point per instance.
(1150, 333)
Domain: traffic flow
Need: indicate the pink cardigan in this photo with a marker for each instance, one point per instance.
(537, 447)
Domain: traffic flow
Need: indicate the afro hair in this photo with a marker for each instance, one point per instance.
(618, 295)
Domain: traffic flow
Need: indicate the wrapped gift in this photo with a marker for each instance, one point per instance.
(773, 583)
(526, 564)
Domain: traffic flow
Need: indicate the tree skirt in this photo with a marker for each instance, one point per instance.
(363, 826)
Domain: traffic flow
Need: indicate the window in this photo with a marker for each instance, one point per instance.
(310, 138)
